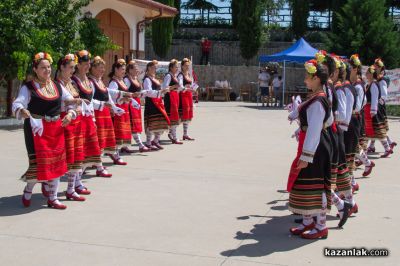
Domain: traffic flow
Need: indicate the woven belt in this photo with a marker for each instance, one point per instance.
(47, 118)
(355, 113)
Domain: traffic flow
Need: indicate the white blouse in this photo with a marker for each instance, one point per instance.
(340, 115)
(315, 120)
(349, 109)
(384, 89)
(148, 89)
(374, 98)
(360, 97)
(24, 97)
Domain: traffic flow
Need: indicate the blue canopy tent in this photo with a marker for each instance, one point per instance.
(299, 52)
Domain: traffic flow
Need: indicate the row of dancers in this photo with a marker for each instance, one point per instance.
(73, 120)
(340, 116)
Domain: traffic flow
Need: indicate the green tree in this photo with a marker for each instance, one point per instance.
(250, 27)
(162, 31)
(177, 5)
(235, 12)
(300, 13)
(363, 28)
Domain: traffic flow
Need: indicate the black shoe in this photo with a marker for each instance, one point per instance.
(346, 209)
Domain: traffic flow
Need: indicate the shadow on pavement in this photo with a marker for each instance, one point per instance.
(272, 236)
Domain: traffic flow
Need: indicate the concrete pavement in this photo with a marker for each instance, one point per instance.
(219, 200)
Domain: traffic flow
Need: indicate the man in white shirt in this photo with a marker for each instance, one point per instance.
(263, 81)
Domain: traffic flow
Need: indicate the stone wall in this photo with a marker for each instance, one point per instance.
(222, 52)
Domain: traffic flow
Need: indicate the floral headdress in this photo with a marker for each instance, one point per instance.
(97, 60)
(371, 69)
(355, 60)
(42, 56)
(320, 56)
(121, 62)
(70, 58)
(311, 67)
(379, 62)
(337, 60)
(83, 56)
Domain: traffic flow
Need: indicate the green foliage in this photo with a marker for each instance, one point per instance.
(300, 13)
(28, 27)
(250, 27)
(93, 38)
(363, 28)
(235, 12)
(177, 5)
(162, 30)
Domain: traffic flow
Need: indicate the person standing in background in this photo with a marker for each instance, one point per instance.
(263, 81)
(205, 50)
(277, 85)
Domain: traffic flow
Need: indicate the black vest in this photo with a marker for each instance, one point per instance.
(132, 88)
(40, 105)
(99, 94)
(83, 92)
(353, 91)
(120, 88)
(303, 109)
(368, 92)
(185, 81)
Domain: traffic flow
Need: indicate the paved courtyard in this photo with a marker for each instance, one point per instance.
(219, 200)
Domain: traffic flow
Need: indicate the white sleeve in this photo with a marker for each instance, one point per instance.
(360, 97)
(349, 106)
(113, 92)
(166, 81)
(22, 101)
(66, 96)
(374, 98)
(315, 120)
(180, 79)
(127, 82)
(341, 110)
(148, 90)
(384, 89)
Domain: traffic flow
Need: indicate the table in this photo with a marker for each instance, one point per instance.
(218, 91)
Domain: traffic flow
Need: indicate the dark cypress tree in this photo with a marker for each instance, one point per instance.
(249, 27)
(300, 13)
(162, 30)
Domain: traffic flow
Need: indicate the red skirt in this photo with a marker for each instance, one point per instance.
(122, 126)
(47, 159)
(105, 129)
(91, 148)
(375, 127)
(186, 102)
(173, 107)
(136, 118)
(294, 172)
(74, 143)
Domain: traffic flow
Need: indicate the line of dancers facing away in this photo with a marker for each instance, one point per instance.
(70, 122)
(335, 123)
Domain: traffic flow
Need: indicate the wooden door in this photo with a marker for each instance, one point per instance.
(115, 27)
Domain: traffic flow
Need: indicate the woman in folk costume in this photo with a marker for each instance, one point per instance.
(156, 120)
(343, 180)
(375, 126)
(171, 99)
(135, 113)
(73, 132)
(39, 104)
(122, 123)
(186, 97)
(103, 103)
(91, 147)
(357, 119)
(330, 65)
(383, 87)
(309, 179)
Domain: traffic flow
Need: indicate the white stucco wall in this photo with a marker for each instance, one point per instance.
(132, 15)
